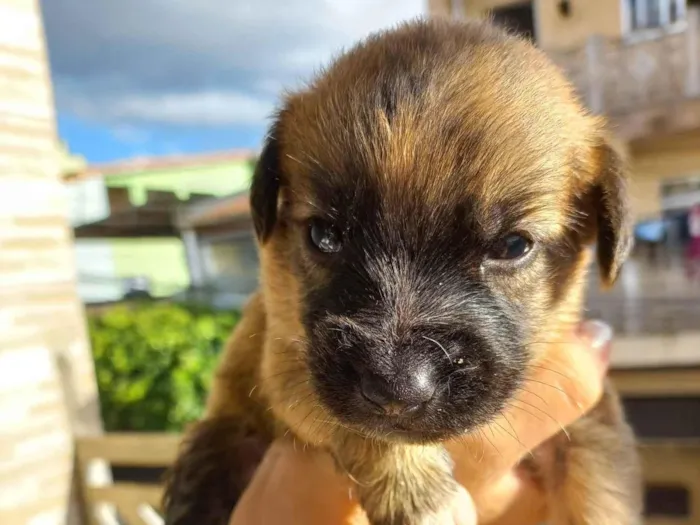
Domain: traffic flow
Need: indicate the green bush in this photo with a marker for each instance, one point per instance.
(154, 363)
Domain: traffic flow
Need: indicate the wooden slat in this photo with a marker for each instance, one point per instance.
(127, 492)
(655, 383)
(138, 450)
(127, 498)
(664, 463)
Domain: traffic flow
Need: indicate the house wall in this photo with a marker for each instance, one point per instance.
(659, 159)
(602, 17)
(653, 160)
(588, 17)
(231, 260)
(104, 263)
(96, 271)
(161, 260)
(47, 387)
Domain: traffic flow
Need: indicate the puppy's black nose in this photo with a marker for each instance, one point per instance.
(403, 395)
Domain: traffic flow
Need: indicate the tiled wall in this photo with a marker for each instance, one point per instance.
(46, 376)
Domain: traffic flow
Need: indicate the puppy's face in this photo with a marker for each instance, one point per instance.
(424, 210)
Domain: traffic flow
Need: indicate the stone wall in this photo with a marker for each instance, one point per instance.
(47, 387)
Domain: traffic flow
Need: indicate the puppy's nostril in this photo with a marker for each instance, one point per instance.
(375, 390)
(402, 396)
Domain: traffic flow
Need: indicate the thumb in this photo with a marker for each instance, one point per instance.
(598, 336)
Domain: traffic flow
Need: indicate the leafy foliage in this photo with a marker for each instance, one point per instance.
(154, 363)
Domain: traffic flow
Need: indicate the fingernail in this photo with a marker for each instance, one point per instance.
(599, 334)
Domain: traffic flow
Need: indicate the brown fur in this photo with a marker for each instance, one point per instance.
(466, 113)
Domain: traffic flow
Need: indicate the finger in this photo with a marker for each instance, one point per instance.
(568, 381)
(295, 486)
(513, 501)
(560, 388)
(598, 335)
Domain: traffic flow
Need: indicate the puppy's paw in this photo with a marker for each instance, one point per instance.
(457, 508)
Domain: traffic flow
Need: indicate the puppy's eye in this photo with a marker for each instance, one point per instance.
(511, 247)
(324, 236)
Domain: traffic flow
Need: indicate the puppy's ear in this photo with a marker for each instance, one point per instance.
(265, 186)
(612, 210)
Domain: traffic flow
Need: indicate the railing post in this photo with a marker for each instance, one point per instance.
(692, 39)
(595, 73)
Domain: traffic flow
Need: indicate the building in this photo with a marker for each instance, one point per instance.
(221, 250)
(123, 214)
(47, 385)
(638, 62)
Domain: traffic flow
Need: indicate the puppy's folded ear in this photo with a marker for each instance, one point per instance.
(612, 210)
(265, 186)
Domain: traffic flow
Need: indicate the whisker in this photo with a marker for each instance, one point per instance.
(510, 424)
(299, 401)
(514, 437)
(549, 416)
(554, 387)
(551, 370)
(526, 411)
(440, 346)
(494, 446)
(311, 411)
(536, 395)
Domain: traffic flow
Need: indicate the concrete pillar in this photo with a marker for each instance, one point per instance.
(47, 384)
(692, 38)
(193, 254)
(596, 74)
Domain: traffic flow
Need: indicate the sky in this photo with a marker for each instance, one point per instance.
(157, 77)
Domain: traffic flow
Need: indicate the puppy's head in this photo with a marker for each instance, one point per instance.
(424, 210)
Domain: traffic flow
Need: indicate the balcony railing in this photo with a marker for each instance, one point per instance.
(643, 316)
(620, 77)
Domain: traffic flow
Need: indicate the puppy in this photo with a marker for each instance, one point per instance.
(424, 211)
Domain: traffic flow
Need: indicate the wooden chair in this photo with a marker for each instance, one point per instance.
(668, 466)
(109, 503)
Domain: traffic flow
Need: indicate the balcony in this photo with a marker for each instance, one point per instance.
(648, 84)
(655, 311)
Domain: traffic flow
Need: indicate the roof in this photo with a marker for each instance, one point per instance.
(213, 211)
(152, 219)
(158, 163)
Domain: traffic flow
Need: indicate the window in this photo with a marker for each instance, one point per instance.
(653, 14)
(518, 17)
(670, 501)
(232, 262)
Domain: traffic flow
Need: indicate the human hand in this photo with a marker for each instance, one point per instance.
(296, 486)
(562, 387)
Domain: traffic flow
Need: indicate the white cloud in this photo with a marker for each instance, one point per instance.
(206, 63)
(210, 108)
